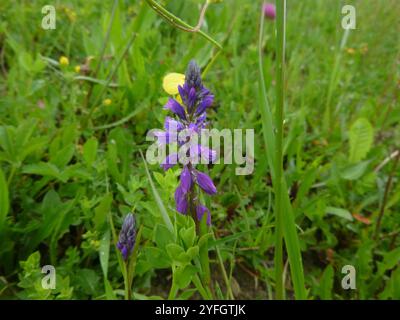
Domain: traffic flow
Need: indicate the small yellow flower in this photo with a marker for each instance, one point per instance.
(77, 69)
(64, 61)
(107, 102)
(171, 82)
(350, 51)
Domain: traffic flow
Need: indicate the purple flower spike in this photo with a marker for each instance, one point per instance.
(176, 108)
(186, 179)
(269, 11)
(205, 182)
(127, 236)
(180, 201)
(190, 118)
(200, 211)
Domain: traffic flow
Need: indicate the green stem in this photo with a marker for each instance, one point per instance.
(11, 176)
(327, 120)
(203, 256)
(279, 113)
(197, 282)
(128, 292)
(174, 290)
(224, 274)
(178, 23)
(289, 225)
(207, 68)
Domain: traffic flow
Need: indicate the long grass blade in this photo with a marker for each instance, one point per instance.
(157, 197)
(289, 226)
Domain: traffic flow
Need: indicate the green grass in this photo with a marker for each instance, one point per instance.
(324, 193)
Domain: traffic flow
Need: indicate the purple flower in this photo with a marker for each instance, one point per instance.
(206, 102)
(269, 10)
(186, 179)
(127, 236)
(196, 99)
(176, 108)
(205, 182)
(200, 211)
(193, 75)
(180, 200)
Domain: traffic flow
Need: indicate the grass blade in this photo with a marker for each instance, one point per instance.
(157, 197)
(289, 226)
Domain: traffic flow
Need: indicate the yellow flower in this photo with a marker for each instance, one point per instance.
(77, 69)
(350, 51)
(64, 61)
(171, 82)
(107, 102)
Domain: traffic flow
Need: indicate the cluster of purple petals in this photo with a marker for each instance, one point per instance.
(127, 236)
(190, 115)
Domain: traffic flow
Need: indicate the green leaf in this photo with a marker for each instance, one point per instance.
(4, 201)
(203, 241)
(361, 136)
(162, 236)
(326, 283)
(159, 202)
(188, 236)
(183, 275)
(63, 156)
(102, 211)
(355, 171)
(157, 257)
(104, 252)
(289, 224)
(42, 169)
(342, 213)
(193, 252)
(174, 250)
(90, 151)
(88, 281)
(109, 290)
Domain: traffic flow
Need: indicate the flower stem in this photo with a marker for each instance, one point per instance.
(128, 291)
(174, 289)
(279, 113)
(177, 22)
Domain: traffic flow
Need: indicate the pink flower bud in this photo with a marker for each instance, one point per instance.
(269, 10)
